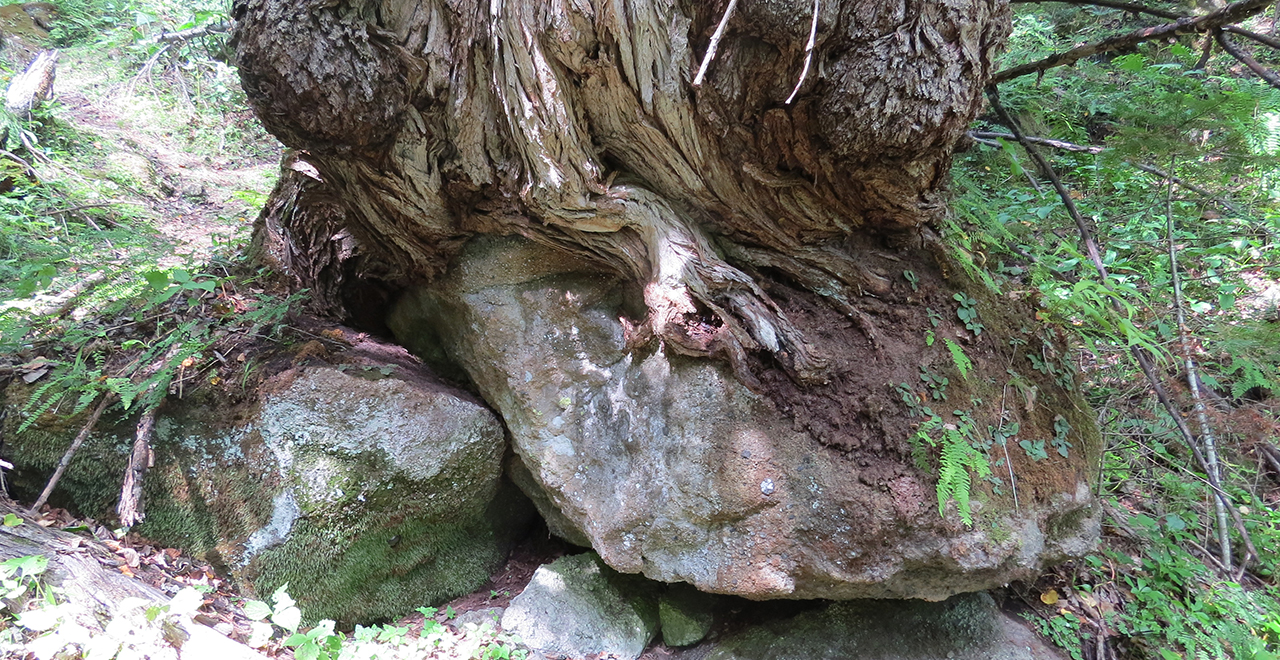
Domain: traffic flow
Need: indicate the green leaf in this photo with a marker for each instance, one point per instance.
(11, 520)
(257, 610)
(157, 279)
(962, 362)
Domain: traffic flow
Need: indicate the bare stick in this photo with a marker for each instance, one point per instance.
(1056, 144)
(1126, 6)
(130, 508)
(1247, 34)
(808, 53)
(1193, 382)
(71, 451)
(1143, 358)
(1230, 14)
(192, 33)
(715, 43)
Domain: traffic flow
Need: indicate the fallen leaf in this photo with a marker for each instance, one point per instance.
(1049, 597)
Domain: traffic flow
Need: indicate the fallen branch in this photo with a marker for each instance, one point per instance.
(986, 137)
(1126, 6)
(1193, 382)
(1187, 25)
(192, 33)
(1048, 142)
(1244, 58)
(715, 43)
(1247, 34)
(130, 507)
(71, 451)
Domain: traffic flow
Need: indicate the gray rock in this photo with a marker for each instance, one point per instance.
(686, 615)
(368, 486)
(671, 468)
(489, 615)
(577, 606)
(967, 627)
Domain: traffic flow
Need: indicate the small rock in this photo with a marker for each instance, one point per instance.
(577, 606)
(686, 615)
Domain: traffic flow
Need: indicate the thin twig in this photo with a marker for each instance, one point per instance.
(715, 43)
(1193, 382)
(808, 53)
(93, 206)
(1048, 142)
(71, 451)
(130, 507)
(1230, 14)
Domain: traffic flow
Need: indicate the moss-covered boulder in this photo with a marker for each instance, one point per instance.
(366, 485)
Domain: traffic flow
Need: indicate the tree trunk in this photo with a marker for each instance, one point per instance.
(575, 124)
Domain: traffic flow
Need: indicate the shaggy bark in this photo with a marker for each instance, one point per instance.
(574, 123)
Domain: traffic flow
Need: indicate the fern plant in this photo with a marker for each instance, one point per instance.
(957, 459)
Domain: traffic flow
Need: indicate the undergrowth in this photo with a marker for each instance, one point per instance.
(1157, 586)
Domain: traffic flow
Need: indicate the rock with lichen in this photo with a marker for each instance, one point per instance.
(366, 485)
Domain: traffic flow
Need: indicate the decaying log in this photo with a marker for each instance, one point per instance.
(82, 571)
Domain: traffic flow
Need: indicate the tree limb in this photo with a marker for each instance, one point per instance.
(71, 451)
(986, 137)
(1126, 6)
(130, 507)
(715, 43)
(1249, 34)
(1193, 383)
(1230, 14)
(1261, 71)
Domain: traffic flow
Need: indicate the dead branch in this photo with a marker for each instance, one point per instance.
(130, 507)
(1244, 58)
(29, 170)
(1186, 25)
(1145, 362)
(1193, 383)
(1126, 6)
(715, 43)
(193, 33)
(985, 137)
(1047, 142)
(1248, 34)
(71, 451)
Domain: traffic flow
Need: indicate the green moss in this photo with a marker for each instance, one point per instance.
(384, 569)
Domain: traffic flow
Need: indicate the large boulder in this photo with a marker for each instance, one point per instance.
(669, 466)
(365, 484)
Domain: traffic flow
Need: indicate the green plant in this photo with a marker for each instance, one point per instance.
(958, 457)
(912, 279)
(963, 364)
(968, 313)
(936, 383)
